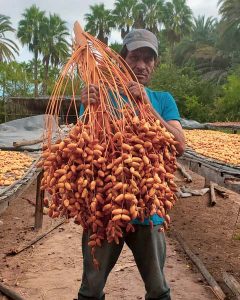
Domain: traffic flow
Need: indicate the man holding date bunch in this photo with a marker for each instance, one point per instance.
(140, 51)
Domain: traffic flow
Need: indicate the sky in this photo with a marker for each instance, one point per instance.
(74, 10)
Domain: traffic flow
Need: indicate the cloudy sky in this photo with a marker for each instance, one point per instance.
(72, 10)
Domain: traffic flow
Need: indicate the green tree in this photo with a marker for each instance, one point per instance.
(8, 48)
(229, 29)
(125, 14)
(227, 107)
(188, 89)
(152, 14)
(30, 32)
(99, 22)
(206, 49)
(177, 20)
(55, 47)
(15, 79)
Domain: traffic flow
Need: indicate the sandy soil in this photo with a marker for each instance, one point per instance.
(52, 268)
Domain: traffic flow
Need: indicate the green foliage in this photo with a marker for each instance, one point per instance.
(8, 48)
(195, 110)
(55, 48)
(31, 32)
(236, 237)
(2, 114)
(46, 36)
(175, 80)
(193, 47)
(125, 15)
(195, 97)
(177, 19)
(15, 80)
(198, 55)
(116, 47)
(99, 22)
(227, 106)
(230, 11)
(152, 13)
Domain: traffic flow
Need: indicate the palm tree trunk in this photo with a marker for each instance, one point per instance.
(35, 73)
(45, 81)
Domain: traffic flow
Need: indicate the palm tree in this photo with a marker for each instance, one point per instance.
(125, 14)
(55, 47)
(204, 30)
(202, 48)
(230, 11)
(30, 32)
(177, 20)
(229, 28)
(152, 14)
(7, 46)
(201, 39)
(99, 22)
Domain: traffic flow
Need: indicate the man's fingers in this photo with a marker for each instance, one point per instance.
(93, 89)
(135, 91)
(90, 95)
(90, 92)
(89, 100)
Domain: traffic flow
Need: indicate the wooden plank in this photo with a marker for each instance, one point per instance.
(27, 142)
(10, 292)
(196, 260)
(221, 191)
(211, 173)
(6, 198)
(10, 187)
(39, 203)
(232, 283)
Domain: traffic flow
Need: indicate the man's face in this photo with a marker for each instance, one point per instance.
(142, 63)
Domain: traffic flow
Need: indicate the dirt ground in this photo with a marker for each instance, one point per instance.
(213, 233)
(51, 269)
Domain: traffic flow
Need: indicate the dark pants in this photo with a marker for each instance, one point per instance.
(149, 249)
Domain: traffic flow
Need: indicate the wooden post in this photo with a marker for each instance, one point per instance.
(206, 182)
(212, 194)
(187, 176)
(232, 283)
(39, 203)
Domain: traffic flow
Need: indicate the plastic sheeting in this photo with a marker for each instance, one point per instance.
(30, 128)
(191, 124)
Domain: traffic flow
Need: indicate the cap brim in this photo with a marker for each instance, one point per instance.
(139, 44)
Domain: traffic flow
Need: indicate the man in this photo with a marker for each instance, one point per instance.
(140, 51)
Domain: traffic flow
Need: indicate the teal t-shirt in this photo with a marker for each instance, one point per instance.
(166, 107)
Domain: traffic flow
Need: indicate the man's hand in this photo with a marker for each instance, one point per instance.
(137, 91)
(90, 95)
